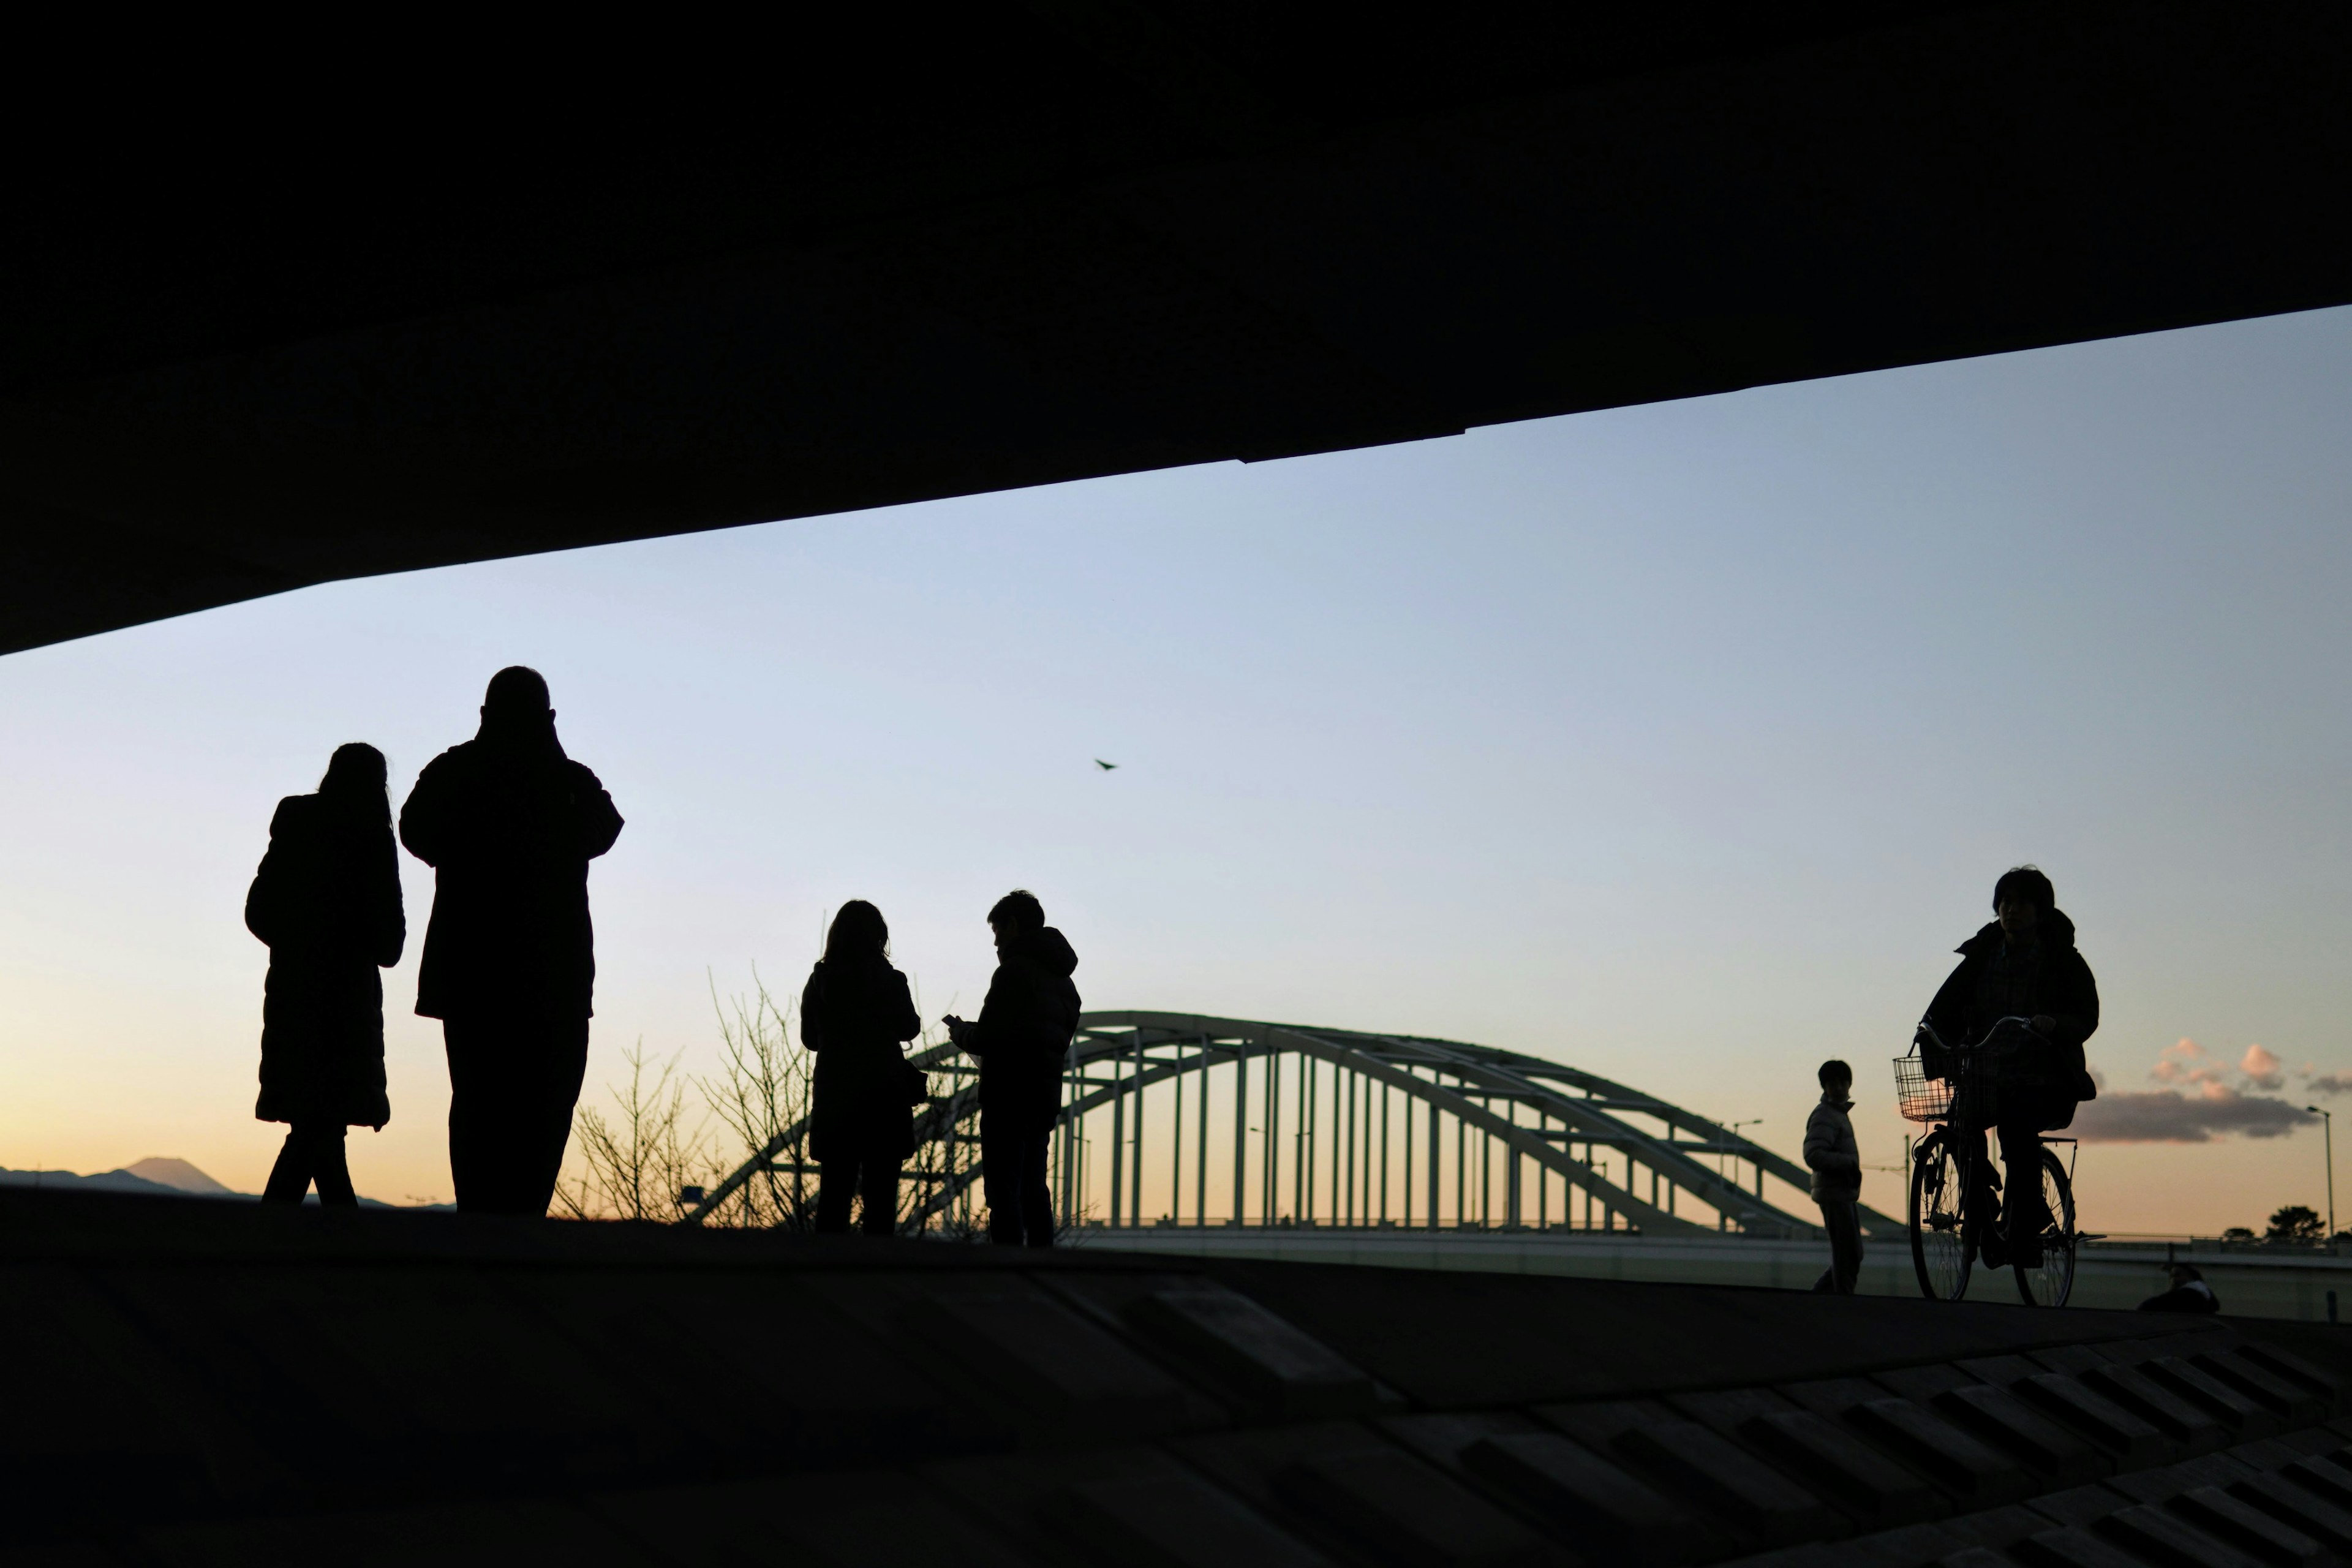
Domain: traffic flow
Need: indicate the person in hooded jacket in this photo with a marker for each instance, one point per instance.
(855, 1012)
(1022, 1041)
(2024, 964)
(327, 902)
(509, 824)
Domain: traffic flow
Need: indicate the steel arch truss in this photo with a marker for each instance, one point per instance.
(1335, 1127)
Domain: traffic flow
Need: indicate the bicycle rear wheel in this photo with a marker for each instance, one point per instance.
(2050, 1283)
(1939, 1249)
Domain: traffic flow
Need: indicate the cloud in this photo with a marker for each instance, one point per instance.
(2329, 1083)
(2200, 1103)
(2168, 1116)
(2185, 1061)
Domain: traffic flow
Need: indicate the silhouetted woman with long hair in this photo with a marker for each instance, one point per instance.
(855, 1013)
(327, 901)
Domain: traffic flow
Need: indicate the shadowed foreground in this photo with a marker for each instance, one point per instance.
(216, 1382)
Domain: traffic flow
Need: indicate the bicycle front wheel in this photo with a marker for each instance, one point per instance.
(1939, 1248)
(2050, 1283)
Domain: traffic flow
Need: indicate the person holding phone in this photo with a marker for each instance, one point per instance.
(1022, 1040)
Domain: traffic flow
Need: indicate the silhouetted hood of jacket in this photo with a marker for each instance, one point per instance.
(508, 823)
(2054, 930)
(2063, 989)
(1050, 950)
(1023, 1030)
(1022, 1034)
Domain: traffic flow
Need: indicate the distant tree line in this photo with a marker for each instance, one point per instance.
(2296, 1223)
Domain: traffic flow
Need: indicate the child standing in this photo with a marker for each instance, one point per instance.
(1836, 1165)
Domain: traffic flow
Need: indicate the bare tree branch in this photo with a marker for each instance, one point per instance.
(640, 1156)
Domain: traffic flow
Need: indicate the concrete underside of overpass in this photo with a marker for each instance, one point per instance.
(261, 327)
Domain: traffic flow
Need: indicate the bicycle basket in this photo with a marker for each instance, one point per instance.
(1969, 1087)
(1919, 1097)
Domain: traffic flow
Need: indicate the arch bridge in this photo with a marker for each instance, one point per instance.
(1175, 1118)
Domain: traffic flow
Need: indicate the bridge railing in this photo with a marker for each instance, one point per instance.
(1193, 1121)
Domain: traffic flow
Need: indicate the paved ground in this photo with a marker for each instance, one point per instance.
(198, 1384)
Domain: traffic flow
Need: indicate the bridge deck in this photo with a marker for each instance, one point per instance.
(2111, 1275)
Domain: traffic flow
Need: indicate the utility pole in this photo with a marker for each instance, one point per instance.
(1734, 1130)
(2327, 1136)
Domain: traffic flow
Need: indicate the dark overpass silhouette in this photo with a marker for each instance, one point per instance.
(267, 321)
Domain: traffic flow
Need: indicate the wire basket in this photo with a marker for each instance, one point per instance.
(1923, 1099)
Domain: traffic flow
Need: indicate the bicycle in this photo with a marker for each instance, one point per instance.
(1952, 1179)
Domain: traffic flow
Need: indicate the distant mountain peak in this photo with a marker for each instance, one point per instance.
(155, 1178)
(178, 1174)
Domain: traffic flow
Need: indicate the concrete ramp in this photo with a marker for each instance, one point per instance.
(220, 1383)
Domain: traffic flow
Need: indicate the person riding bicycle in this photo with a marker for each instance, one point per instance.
(2024, 964)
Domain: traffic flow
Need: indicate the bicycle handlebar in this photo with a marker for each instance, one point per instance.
(1927, 1033)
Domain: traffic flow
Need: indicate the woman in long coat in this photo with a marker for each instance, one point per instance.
(327, 901)
(855, 1013)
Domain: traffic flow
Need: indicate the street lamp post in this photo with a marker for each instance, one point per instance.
(1752, 1121)
(1733, 1128)
(2327, 1137)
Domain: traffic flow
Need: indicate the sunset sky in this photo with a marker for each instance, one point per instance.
(1681, 743)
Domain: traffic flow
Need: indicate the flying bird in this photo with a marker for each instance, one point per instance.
(1104, 766)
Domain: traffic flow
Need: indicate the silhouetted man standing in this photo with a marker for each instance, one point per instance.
(508, 823)
(1022, 1040)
